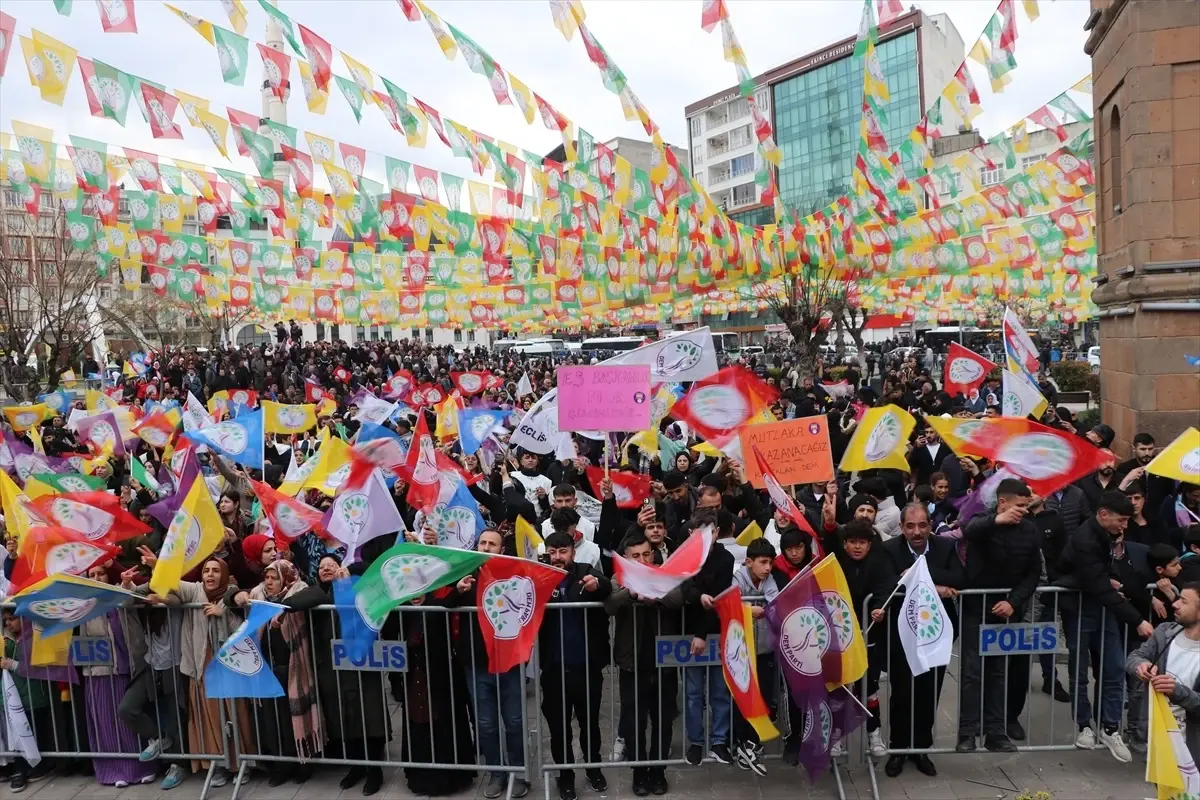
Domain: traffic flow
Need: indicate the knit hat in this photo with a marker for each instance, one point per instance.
(860, 500)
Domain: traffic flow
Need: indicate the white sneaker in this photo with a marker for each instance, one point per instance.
(618, 749)
(1086, 740)
(838, 750)
(875, 741)
(1116, 745)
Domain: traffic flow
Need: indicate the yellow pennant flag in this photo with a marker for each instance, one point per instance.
(1169, 763)
(447, 418)
(237, 15)
(567, 16)
(324, 471)
(16, 518)
(280, 418)
(848, 634)
(316, 97)
(524, 98)
(195, 531)
(528, 541)
(37, 151)
(1021, 398)
(749, 534)
(98, 401)
(200, 26)
(1180, 460)
(879, 440)
(50, 650)
(50, 64)
(22, 418)
(217, 128)
(420, 136)
(1031, 9)
(190, 104)
(361, 74)
(444, 39)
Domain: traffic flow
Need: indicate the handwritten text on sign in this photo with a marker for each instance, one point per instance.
(796, 450)
(601, 398)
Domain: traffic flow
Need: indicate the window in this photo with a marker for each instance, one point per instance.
(46, 200)
(741, 165)
(360, 333)
(11, 198)
(471, 335)
(387, 333)
(990, 177)
(320, 331)
(697, 126)
(744, 194)
(457, 335)
(415, 334)
(429, 334)
(49, 270)
(954, 185)
(1114, 149)
(739, 108)
(762, 99)
(698, 154)
(18, 246)
(1029, 161)
(45, 224)
(739, 137)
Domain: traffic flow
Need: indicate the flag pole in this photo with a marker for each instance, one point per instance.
(607, 454)
(885, 605)
(846, 686)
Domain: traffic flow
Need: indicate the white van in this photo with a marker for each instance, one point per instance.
(543, 346)
(612, 344)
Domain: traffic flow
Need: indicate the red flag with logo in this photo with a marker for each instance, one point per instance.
(629, 488)
(93, 515)
(470, 383)
(724, 401)
(654, 582)
(54, 550)
(784, 503)
(421, 471)
(314, 392)
(512, 594)
(1045, 458)
(288, 516)
(739, 663)
(965, 370)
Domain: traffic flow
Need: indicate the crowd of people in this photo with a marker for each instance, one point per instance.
(1102, 540)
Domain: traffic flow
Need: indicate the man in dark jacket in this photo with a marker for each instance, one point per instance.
(1095, 624)
(1099, 482)
(700, 621)
(1003, 553)
(573, 650)
(1054, 539)
(648, 694)
(1071, 505)
(913, 700)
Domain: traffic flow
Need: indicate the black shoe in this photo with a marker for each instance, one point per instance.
(641, 785)
(41, 771)
(374, 781)
(567, 793)
(1016, 732)
(894, 766)
(791, 753)
(351, 778)
(966, 744)
(658, 780)
(277, 777)
(1061, 694)
(302, 773)
(997, 743)
(924, 765)
(720, 753)
(496, 786)
(695, 755)
(86, 770)
(18, 783)
(595, 779)
(520, 787)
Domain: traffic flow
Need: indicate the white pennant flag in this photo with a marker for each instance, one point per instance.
(18, 732)
(524, 387)
(925, 631)
(1020, 399)
(195, 415)
(688, 356)
(372, 409)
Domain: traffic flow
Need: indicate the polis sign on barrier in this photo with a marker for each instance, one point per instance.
(676, 651)
(1016, 640)
(382, 657)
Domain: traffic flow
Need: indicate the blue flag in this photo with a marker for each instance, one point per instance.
(240, 440)
(239, 668)
(457, 521)
(474, 425)
(66, 602)
(358, 634)
(369, 431)
(58, 401)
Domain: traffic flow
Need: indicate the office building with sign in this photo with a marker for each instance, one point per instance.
(814, 103)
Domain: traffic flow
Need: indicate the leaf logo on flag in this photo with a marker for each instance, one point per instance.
(73, 558)
(508, 605)
(737, 656)
(884, 438)
(1039, 456)
(354, 509)
(965, 370)
(818, 720)
(189, 535)
(405, 576)
(719, 407)
(841, 617)
(289, 522)
(87, 520)
(64, 609)
(241, 654)
(923, 614)
(74, 483)
(677, 357)
(804, 639)
(229, 436)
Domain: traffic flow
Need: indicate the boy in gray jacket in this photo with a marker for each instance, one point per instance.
(1170, 662)
(758, 587)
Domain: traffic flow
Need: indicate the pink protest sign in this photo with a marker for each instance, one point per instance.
(603, 398)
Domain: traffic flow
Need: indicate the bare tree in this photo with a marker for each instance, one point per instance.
(48, 299)
(811, 302)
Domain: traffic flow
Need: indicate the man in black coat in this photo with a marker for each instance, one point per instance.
(1003, 553)
(1054, 539)
(1095, 624)
(573, 651)
(913, 701)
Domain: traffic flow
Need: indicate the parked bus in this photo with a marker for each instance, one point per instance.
(611, 344)
(726, 343)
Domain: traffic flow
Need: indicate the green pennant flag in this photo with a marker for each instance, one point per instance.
(239, 183)
(476, 57)
(140, 474)
(285, 22)
(113, 88)
(81, 229)
(91, 161)
(353, 95)
(232, 52)
(143, 208)
(283, 134)
(262, 151)
(172, 178)
(1003, 142)
(1069, 107)
(71, 482)
(398, 95)
(397, 173)
(239, 220)
(63, 7)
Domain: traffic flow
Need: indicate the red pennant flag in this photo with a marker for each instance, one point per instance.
(160, 107)
(654, 582)
(421, 471)
(116, 16)
(427, 395)
(240, 119)
(512, 594)
(965, 370)
(888, 10)
(712, 12)
(156, 429)
(739, 661)
(53, 550)
(722, 402)
(629, 488)
(470, 383)
(93, 515)
(288, 516)
(410, 10)
(1045, 117)
(7, 26)
(277, 68)
(314, 392)
(784, 503)
(1045, 458)
(398, 385)
(320, 56)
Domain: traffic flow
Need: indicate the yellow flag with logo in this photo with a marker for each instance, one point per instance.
(281, 418)
(848, 640)
(16, 518)
(325, 471)
(1169, 764)
(22, 418)
(50, 64)
(528, 540)
(195, 531)
(749, 534)
(879, 441)
(1180, 460)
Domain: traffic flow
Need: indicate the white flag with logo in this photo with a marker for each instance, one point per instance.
(1020, 398)
(925, 631)
(18, 734)
(372, 409)
(688, 356)
(524, 387)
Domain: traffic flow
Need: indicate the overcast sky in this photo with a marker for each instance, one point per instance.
(668, 60)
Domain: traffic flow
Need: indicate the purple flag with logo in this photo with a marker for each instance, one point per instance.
(801, 633)
(102, 433)
(829, 718)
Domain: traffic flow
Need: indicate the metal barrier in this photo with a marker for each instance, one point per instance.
(623, 673)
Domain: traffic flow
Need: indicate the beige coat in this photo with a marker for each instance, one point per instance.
(198, 632)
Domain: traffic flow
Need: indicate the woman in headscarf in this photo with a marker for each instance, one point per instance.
(203, 631)
(353, 702)
(288, 726)
(103, 688)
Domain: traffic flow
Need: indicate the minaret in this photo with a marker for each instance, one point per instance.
(273, 108)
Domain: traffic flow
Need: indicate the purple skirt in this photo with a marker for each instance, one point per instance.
(108, 734)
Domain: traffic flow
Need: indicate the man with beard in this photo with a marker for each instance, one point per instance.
(926, 456)
(1169, 661)
(1100, 481)
(532, 482)
(1156, 487)
(573, 648)
(679, 501)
